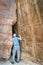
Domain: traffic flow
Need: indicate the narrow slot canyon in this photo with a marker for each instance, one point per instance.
(24, 17)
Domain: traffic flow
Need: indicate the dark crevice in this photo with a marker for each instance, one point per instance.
(14, 28)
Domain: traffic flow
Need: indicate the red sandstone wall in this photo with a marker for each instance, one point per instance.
(30, 27)
(7, 18)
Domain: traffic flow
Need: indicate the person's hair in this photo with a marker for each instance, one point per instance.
(14, 34)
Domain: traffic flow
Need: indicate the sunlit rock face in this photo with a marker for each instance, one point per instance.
(7, 7)
(30, 26)
(7, 19)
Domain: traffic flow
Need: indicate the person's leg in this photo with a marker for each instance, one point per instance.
(11, 50)
(13, 55)
(18, 54)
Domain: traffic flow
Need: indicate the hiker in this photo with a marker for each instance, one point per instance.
(16, 48)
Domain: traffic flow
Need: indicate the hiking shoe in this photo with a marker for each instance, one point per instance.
(12, 62)
(17, 61)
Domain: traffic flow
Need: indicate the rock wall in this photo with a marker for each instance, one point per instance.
(29, 25)
(7, 19)
(31, 28)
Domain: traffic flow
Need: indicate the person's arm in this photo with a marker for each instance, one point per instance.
(20, 37)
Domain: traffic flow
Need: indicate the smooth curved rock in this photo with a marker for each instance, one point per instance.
(7, 19)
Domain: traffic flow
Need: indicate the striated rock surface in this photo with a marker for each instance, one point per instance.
(30, 26)
(7, 19)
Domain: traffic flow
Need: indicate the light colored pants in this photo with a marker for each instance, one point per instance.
(16, 49)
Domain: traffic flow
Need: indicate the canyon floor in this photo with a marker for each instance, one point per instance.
(20, 63)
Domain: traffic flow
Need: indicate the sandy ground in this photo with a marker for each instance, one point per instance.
(20, 63)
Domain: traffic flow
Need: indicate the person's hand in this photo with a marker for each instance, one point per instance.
(20, 37)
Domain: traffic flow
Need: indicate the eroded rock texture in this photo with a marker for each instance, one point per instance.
(7, 17)
(30, 26)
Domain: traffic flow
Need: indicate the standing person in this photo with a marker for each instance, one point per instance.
(16, 48)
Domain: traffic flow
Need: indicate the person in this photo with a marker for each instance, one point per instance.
(16, 48)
